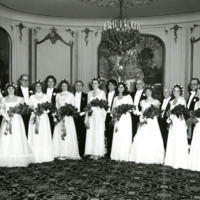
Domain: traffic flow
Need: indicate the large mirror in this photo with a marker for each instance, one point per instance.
(146, 61)
(53, 55)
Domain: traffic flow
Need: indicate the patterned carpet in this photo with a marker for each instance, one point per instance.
(96, 180)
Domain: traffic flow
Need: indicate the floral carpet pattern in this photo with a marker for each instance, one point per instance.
(98, 180)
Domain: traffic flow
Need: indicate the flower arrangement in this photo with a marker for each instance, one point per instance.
(180, 111)
(118, 111)
(193, 117)
(96, 103)
(149, 113)
(41, 107)
(66, 110)
(39, 110)
(21, 109)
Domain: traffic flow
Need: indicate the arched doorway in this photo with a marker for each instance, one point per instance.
(5, 57)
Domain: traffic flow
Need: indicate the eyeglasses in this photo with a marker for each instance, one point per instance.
(194, 84)
(25, 80)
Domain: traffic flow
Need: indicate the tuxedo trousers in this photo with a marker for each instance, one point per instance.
(135, 121)
(52, 124)
(26, 119)
(109, 133)
(164, 128)
(81, 133)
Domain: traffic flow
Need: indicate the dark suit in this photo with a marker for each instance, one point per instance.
(53, 101)
(80, 125)
(27, 117)
(191, 108)
(192, 103)
(164, 126)
(109, 128)
(136, 118)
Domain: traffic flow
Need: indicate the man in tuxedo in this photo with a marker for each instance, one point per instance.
(109, 128)
(165, 107)
(51, 92)
(192, 99)
(80, 103)
(138, 95)
(24, 91)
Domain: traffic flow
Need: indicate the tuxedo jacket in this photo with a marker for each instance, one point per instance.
(112, 100)
(84, 98)
(193, 101)
(53, 97)
(142, 97)
(20, 93)
(167, 108)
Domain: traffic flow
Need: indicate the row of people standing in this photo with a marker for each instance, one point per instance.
(147, 146)
(95, 145)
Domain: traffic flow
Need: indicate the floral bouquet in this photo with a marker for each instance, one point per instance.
(66, 110)
(193, 117)
(192, 121)
(180, 111)
(96, 103)
(21, 109)
(149, 113)
(39, 110)
(117, 112)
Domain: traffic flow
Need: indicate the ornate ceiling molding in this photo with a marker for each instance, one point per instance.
(116, 3)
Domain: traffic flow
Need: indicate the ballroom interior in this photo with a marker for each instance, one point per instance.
(79, 23)
(63, 38)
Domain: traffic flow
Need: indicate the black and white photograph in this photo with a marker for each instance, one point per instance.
(99, 99)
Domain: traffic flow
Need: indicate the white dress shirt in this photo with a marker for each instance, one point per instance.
(164, 105)
(25, 92)
(192, 94)
(110, 99)
(78, 100)
(50, 92)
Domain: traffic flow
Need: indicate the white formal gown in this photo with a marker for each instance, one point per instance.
(41, 143)
(95, 144)
(14, 148)
(194, 156)
(177, 144)
(122, 139)
(147, 146)
(68, 147)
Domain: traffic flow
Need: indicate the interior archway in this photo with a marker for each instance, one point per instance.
(5, 57)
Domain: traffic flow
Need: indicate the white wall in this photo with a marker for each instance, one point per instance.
(177, 59)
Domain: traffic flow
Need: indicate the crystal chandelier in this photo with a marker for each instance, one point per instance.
(121, 34)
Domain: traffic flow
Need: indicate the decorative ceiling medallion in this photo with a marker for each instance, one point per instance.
(116, 3)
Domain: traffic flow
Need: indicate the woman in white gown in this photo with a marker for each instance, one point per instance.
(177, 144)
(147, 146)
(41, 142)
(65, 147)
(14, 148)
(122, 135)
(194, 156)
(95, 143)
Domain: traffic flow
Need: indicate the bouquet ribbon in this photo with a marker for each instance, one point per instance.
(37, 122)
(8, 127)
(63, 129)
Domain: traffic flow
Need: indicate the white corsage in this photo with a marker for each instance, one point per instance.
(31, 91)
(54, 94)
